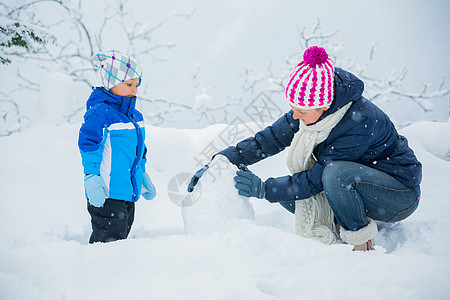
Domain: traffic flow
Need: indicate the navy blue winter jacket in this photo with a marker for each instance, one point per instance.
(111, 142)
(364, 135)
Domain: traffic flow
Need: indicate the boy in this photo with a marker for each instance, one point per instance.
(113, 153)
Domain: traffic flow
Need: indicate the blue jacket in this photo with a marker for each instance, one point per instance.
(111, 143)
(365, 135)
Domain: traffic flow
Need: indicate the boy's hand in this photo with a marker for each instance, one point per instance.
(147, 184)
(96, 189)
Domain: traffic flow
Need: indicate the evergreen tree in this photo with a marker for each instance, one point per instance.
(17, 34)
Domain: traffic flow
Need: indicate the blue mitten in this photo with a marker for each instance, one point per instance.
(96, 189)
(147, 184)
(248, 184)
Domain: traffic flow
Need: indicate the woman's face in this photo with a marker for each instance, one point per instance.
(309, 116)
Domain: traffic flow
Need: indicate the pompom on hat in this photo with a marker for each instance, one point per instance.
(311, 84)
(116, 67)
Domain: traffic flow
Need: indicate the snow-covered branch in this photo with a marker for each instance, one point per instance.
(18, 37)
(77, 40)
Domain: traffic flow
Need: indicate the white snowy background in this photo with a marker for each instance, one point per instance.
(194, 252)
(45, 227)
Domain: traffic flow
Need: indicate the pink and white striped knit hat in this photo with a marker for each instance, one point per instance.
(311, 84)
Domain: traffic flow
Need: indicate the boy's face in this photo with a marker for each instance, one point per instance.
(127, 88)
(309, 116)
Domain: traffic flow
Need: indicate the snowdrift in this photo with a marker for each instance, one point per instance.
(193, 252)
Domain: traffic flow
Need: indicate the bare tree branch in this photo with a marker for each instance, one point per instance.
(72, 55)
(383, 89)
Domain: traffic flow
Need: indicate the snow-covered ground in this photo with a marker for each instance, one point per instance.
(44, 229)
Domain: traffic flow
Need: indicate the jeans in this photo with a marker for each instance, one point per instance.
(355, 192)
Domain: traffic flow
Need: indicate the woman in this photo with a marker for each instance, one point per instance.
(349, 165)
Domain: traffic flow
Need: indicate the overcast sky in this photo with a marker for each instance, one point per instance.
(223, 37)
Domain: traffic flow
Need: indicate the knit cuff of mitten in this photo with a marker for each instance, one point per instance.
(360, 236)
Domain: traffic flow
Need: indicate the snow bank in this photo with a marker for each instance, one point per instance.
(59, 99)
(433, 137)
(44, 252)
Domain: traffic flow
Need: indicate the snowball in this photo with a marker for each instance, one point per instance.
(218, 205)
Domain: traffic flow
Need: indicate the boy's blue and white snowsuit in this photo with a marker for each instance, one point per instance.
(111, 142)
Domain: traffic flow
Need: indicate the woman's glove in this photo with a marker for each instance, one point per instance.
(150, 190)
(248, 184)
(196, 177)
(96, 189)
(199, 173)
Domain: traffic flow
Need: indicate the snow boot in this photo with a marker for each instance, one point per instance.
(362, 239)
(367, 246)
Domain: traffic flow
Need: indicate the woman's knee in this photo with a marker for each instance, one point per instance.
(332, 173)
(340, 174)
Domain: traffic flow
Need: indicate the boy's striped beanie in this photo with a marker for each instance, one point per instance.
(116, 67)
(311, 84)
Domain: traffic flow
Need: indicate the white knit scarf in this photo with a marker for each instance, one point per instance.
(313, 216)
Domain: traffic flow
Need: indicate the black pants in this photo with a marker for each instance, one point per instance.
(112, 221)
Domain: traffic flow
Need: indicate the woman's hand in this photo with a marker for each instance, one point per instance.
(248, 184)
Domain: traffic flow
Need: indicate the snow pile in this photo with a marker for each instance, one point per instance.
(58, 99)
(44, 252)
(218, 205)
(434, 139)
